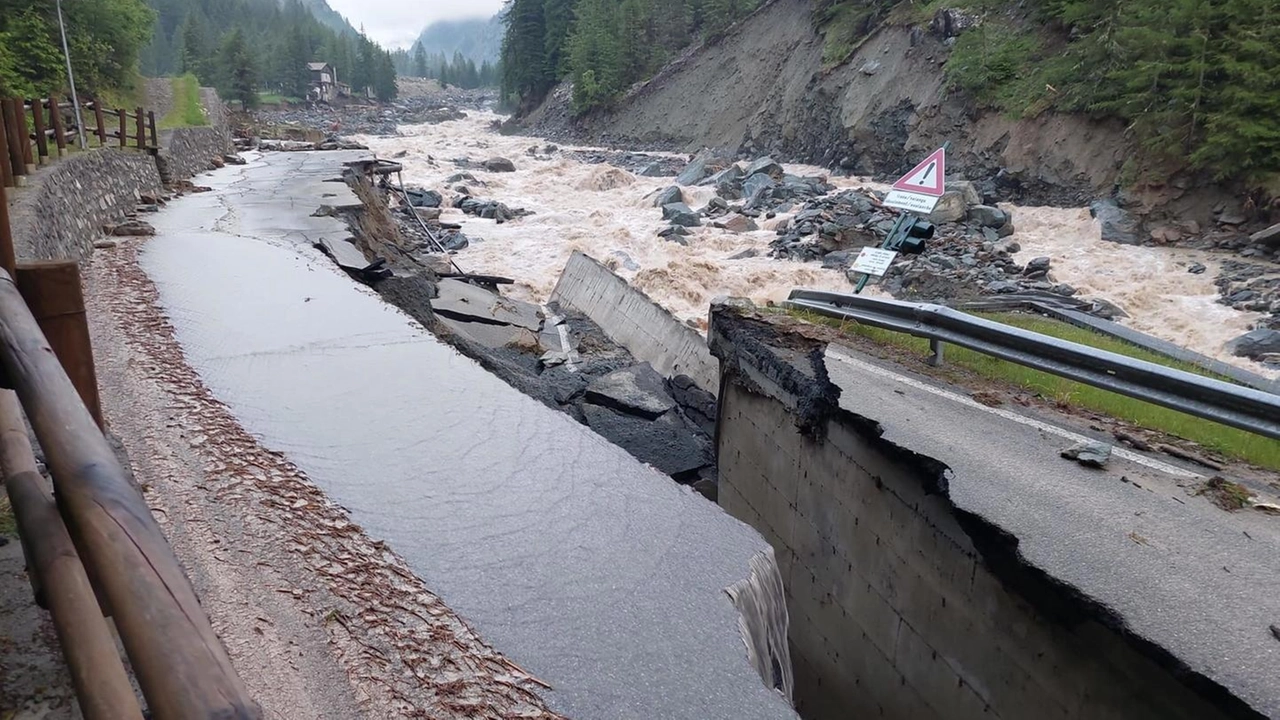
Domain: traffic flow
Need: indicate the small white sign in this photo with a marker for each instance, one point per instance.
(912, 202)
(874, 261)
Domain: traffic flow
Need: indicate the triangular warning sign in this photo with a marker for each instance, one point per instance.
(928, 178)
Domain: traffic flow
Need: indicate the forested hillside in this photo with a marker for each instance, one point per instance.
(243, 46)
(104, 37)
(457, 70)
(478, 39)
(604, 46)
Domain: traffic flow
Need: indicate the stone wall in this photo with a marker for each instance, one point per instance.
(61, 212)
(898, 607)
(187, 152)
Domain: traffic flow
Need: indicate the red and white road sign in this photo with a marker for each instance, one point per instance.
(919, 190)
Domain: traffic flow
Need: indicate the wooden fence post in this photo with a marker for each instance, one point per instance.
(15, 138)
(151, 125)
(53, 294)
(6, 172)
(42, 140)
(124, 132)
(59, 131)
(100, 119)
(140, 121)
(8, 258)
(20, 112)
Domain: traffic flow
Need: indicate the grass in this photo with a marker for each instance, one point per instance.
(277, 99)
(186, 111)
(8, 524)
(1228, 441)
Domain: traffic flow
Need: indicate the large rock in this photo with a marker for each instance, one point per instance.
(703, 164)
(1270, 236)
(653, 169)
(669, 196)
(967, 189)
(755, 186)
(739, 223)
(731, 174)
(951, 207)
(1118, 226)
(764, 165)
(637, 390)
(988, 216)
(499, 164)
(667, 443)
(680, 214)
(1255, 343)
(424, 198)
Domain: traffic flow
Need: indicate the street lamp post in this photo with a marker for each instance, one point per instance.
(71, 79)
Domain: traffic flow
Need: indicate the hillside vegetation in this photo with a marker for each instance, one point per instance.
(243, 46)
(604, 46)
(104, 38)
(1196, 80)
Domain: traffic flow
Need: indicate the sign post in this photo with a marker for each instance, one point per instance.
(916, 192)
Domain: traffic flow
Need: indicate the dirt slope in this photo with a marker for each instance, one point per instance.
(763, 89)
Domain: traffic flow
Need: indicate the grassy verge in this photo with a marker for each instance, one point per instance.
(277, 99)
(1229, 441)
(186, 111)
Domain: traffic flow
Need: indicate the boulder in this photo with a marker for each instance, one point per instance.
(669, 196)
(1269, 236)
(454, 240)
(424, 198)
(871, 67)
(755, 186)
(1118, 226)
(133, 228)
(427, 213)
(745, 254)
(1197, 269)
(1002, 287)
(1255, 343)
(951, 207)
(765, 165)
(670, 230)
(499, 164)
(681, 214)
(1038, 265)
(636, 390)
(731, 174)
(988, 216)
(838, 260)
(652, 170)
(967, 189)
(702, 165)
(739, 223)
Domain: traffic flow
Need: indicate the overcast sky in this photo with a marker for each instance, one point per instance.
(396, 23)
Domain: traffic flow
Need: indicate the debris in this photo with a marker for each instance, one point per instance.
(1089, 454)
(133, 228)
(1132, 440)
(1189, 457)
(637, 390)
(1268, 508)
(1225, 494)
(1138, 539)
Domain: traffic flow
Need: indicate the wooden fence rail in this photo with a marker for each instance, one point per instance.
(31, 131)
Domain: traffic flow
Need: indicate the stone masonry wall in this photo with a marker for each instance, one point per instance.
(61, 212)
(893, 612)
(187, 152)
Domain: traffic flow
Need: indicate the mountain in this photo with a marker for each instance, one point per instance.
(329, 17)
(478, 39)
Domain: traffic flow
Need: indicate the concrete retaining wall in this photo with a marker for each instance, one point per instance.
(896, 610)
(61, 212)
(637, 323)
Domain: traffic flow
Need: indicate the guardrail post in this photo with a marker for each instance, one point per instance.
(20, 111)
(181, 665)
(140, 123)
(935, 352)
(151, 125)
(59, 131)
(53, 293)
(59, 580)
(42, 140)
(102, 123)
(124, 132)
(15, 137)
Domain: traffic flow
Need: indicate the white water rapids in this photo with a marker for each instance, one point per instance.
(608, 213)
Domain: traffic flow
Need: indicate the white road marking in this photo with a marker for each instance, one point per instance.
(565, 346)
(835, 353)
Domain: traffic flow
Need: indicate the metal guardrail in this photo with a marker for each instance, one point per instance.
(1241, 407)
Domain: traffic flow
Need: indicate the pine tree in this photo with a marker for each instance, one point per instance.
(524, 67)
(239, 73)
(419, 61)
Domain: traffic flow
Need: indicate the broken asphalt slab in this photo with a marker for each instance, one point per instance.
(637, 390)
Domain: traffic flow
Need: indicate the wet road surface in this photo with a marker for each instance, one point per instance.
(595, 573)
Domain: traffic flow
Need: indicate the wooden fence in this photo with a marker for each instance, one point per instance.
(34, 132)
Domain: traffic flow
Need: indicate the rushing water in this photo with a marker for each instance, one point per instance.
(608, 214)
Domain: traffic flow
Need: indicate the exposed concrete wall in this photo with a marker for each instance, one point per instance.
(635, 322)
(61, 212)
(896, 610)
